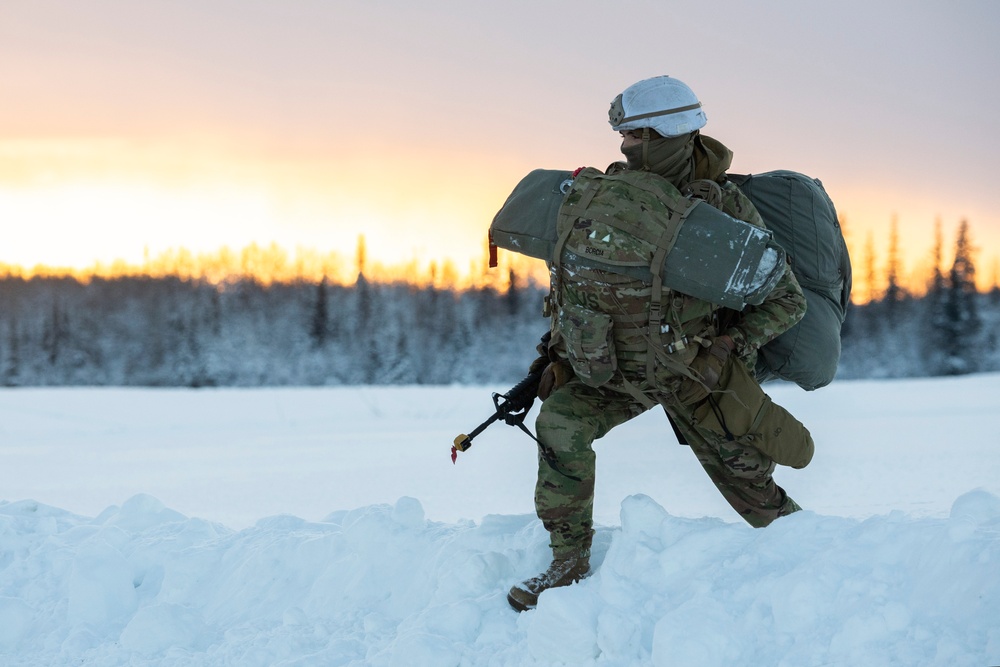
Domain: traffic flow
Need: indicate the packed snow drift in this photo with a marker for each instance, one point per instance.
(329, 527)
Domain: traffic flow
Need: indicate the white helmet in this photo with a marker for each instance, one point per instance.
(662, 103)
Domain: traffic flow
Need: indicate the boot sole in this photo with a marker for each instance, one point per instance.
(517, 605)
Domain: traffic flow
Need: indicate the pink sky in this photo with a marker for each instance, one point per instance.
(129, 127)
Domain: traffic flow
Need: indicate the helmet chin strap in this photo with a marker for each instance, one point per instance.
(645, 148)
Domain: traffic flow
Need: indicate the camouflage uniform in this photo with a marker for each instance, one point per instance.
(576, 414)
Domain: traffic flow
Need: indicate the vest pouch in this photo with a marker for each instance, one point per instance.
(589, 343)
(754, 419)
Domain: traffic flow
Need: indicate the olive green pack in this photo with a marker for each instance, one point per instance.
(797, 209)
(741, 411)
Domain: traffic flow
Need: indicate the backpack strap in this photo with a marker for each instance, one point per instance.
(569, 214)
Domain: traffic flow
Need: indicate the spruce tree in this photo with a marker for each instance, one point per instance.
(961, 314)
(934, 340)
(513, 298)
(872, 322)
(320, 323)
(12, 366)
(995, 289)
(895, 293)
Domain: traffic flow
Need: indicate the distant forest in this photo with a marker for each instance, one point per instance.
(141, 331)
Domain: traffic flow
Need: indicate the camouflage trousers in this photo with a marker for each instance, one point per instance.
(575, 415)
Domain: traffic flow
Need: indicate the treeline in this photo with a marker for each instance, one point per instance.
(950, 330)
(172, 332)
(140, 331)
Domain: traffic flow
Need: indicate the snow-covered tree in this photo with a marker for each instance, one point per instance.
(960, 309)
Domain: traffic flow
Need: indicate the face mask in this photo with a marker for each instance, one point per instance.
(669, 157)
(633, 156)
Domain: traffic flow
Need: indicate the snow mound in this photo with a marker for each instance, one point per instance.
(381, 585)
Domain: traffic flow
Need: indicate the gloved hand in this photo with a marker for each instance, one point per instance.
(555, 375)
(538, 364)
(708, 367)
(543, 354)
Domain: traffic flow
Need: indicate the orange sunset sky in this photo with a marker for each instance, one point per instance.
(129, 128)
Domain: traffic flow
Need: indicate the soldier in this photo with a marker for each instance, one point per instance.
(659, 120)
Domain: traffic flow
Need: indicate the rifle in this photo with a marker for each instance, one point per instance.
(516, 402)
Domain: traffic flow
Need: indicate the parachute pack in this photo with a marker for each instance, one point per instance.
(638, 225)
(804, 221)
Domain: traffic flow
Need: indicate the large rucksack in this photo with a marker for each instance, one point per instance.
(616, 243)
(804, 221)
(795, 208)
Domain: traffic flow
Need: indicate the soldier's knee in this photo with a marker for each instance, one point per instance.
(561, 429)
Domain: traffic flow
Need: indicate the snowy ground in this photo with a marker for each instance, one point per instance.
(329, 527)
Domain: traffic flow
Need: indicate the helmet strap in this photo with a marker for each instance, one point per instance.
(645, 148)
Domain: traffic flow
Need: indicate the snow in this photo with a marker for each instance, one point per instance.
(329, 527)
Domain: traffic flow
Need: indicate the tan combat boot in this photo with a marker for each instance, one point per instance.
(562, 572)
